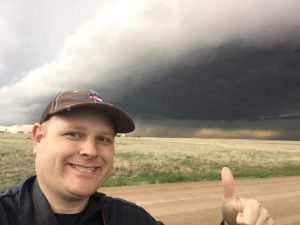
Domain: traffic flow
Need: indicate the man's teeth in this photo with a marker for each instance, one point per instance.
(84, 169)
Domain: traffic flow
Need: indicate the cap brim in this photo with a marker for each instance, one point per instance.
(122, 122)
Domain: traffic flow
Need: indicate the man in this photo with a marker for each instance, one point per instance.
(74, 150)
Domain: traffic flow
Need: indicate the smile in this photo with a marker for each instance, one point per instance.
(84, 169)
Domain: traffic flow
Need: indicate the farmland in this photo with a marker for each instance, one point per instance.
(168, 160)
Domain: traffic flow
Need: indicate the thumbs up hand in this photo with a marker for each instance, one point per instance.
(241, 211)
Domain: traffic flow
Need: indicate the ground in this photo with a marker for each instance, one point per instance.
(198, 203)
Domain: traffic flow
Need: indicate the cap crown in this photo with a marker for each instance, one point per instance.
(67, 100)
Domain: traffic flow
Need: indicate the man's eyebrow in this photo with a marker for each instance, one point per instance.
(83, 128)
(76, 127)
(104, 132)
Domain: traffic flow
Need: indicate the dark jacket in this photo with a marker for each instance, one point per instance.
(27, 205)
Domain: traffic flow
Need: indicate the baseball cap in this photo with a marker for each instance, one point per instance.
(68, 100)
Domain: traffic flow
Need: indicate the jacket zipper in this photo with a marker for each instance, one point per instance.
(103, 218)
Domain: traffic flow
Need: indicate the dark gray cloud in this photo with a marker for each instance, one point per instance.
(258, 129)
(236, 83)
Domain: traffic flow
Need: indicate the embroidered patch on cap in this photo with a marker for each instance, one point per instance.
(95, 96)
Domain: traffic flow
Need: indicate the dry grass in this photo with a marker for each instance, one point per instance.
(200, 153)
(206, 156)
(16, 161)
(149, 160)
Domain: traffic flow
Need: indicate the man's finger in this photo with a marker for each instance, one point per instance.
(264, 218)
(227, 182)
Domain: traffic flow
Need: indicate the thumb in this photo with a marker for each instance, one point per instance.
(231, 204)
(227, 183)
(229, 208)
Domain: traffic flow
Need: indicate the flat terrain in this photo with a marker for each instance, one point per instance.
(198, 203)
(142, 160)
(164, 160)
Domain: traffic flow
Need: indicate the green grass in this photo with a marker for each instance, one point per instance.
(165, 160)
(156, 178)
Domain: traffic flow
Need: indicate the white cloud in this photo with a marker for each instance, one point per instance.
(135, 38)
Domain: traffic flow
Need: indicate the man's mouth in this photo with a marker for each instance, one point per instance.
(84, 168)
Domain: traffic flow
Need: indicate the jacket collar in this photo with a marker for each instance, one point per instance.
(35, 209)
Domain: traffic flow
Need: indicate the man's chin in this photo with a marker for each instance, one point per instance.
(77, 195)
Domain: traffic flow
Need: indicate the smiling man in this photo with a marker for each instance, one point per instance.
(74, 157)
(74, 149)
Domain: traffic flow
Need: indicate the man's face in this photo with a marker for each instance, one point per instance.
(74, 154)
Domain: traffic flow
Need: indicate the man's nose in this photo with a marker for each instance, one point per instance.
(89, 148)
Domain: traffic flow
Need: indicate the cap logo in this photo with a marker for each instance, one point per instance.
(95, 97)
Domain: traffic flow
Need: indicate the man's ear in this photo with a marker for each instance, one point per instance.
(37, 133)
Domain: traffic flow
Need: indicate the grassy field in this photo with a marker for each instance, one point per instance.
(161, 160)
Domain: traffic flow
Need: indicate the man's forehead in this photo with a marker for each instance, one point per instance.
(81, 120)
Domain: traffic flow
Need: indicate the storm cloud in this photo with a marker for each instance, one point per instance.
(236, 83)
(169, 61)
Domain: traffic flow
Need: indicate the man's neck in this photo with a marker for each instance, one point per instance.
(64, 205)
(67, 207)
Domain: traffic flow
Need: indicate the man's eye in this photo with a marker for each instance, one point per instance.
(74, 134)
(105, 139)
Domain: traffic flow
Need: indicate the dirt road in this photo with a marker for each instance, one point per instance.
(198, 203)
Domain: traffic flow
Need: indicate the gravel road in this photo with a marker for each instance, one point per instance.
(198, 203)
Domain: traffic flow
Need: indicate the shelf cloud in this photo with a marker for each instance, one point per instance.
(217, 62)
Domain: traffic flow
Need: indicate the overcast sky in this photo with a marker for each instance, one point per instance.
(197, 68)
